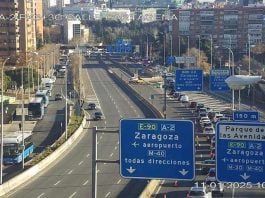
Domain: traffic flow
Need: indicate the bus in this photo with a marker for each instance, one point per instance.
(13, 146)
(45, 96)
(36, 108)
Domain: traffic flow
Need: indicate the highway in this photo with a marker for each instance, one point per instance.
(71, 174)
(178, 110)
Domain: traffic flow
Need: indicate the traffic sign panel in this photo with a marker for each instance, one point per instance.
(247, 116)
(157, 149)
(240, 151)
(189, 80)
(170, 60)
(217, 79)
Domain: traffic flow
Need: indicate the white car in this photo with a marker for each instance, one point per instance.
(211, 176)
(198, 192)
(209, 130)
(184, 98)
(203, 119)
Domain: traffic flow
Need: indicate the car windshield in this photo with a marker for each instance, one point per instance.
(197, 193)
(212, 174)
(209, 129)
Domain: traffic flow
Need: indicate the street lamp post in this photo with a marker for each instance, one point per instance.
(66, 116)
(233, 73)
(2, 121)
(211, 51)
(232, 67)
(23, 118)
(179, 50)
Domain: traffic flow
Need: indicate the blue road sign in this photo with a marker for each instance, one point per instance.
(170, 60)
(120, 46)
(217, 79)
(157, 149)
(240, 149)
(189, 80)
(246, 116)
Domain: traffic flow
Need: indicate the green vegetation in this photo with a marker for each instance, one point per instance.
(75, 122)
(15, 76)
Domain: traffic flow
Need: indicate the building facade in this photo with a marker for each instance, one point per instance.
(39, 19)
(227, 27)
(18, 28)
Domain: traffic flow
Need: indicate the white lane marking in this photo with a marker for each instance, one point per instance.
(98, 171)
(41, 195)
(80, 163)
(111, 155)
(100, 137)
(117, 143)
(70, 172)
(72, 195)
(88, 155)
(85, 183)
(119, 181)
(115, 147)
(107, 194)
(104, 163)
(57, 183)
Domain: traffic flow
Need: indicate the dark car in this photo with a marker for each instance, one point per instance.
(58, 97)
(97, 115)
(193, 105)
(207, 165)
(91, 106)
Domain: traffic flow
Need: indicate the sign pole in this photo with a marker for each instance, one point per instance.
(94, 162)
(165, 97)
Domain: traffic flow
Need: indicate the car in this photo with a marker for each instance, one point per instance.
(217, 188)
(180, 95)
(58, 97)
(203, 114)
(203, 120)
(212, 153)
(209, 130)
(207, 165)
(207, 124)
(199, 105)
(211, 176)
(223, 119)
(97, 115)
(193, 105)
(184, 99)
(91, 106)
(176, 94)
(199, 192)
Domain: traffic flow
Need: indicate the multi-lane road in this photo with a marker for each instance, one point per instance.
(70, 176)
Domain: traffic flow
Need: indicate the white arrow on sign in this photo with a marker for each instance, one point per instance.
(245, 176)
(135, 144)
(130, 170)
(183, 172)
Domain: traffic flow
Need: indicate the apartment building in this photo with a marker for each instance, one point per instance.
(9, 29)
(18, 28)
(235, 27)
(39, 19)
